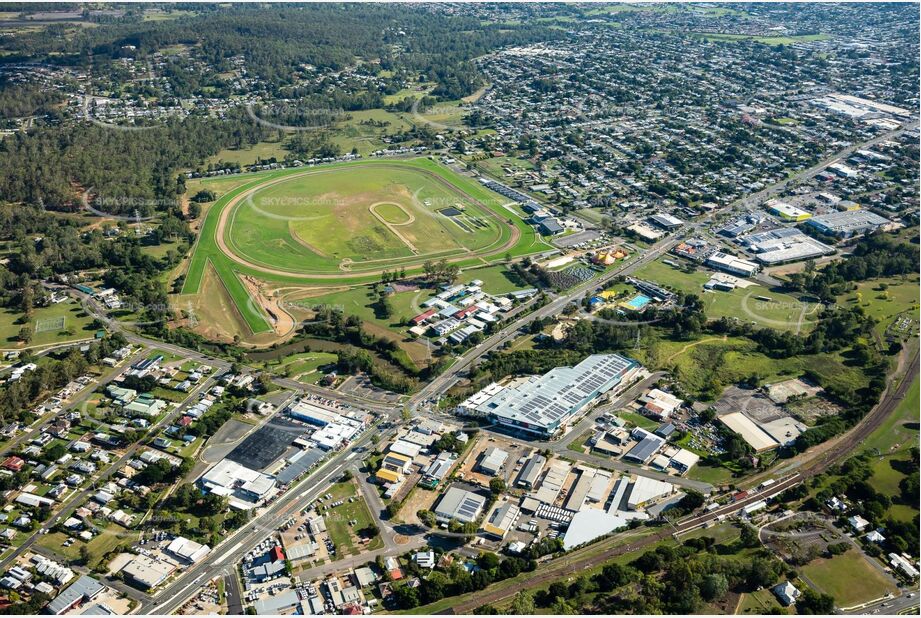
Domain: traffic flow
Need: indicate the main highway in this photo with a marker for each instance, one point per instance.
(223, 558)
(228, 553)
(443, 382)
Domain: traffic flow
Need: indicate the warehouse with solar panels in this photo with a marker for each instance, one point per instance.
(542, 404)
(459, 504)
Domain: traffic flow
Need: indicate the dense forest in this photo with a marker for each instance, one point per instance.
(292, 53)
(279, 40)
(124, 171)
(18, 100)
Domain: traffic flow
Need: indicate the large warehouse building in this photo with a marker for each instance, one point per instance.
(784, 245)
(756, 437)
(848, 223)
(542, 404)
(245, 488)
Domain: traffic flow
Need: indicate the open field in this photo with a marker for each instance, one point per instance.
(850, 578)
(260, 151)
(496, 279)
(885, 299)
(893, 442)
(767, 40)
(359, 301)
(363, 130)
(639, 420)
(900, 430)
(759, 603)
(494, 165)
(595, 215)
(782, 312)
(706, 364)
(58, 323)
(304, 367)
(316, 253)
(101, 544)
(708, 474)
(212, 311)
(343, 535)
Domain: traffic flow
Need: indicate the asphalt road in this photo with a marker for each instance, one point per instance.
(553, 572)
(900, 605)
(77, 499)
(443, 382)
(292, 501)
(233, 594)
(37, 427)
(228, 553)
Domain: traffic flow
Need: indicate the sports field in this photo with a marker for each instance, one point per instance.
(850, 578)
(56, 323)
(345, 223)
(757, 304)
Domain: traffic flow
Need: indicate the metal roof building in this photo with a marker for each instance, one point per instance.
(580, 489)
(501, 520)
(590, 524)
(732, 264)
(756, 437)
(553, 481)
(459, 504)
(646, 490)
(493, 460)
(645, 448)
(543, 404)
(188, 549)
(666, 221)
(83, 590)
(529, 474)
(847, 223)
(147, 572)
(784, 245)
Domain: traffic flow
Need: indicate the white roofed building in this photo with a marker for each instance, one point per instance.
(646, 490)
(187, 549)
(542, 405)
(245, 488)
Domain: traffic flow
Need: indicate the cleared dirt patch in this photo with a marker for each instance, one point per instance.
(212, 312)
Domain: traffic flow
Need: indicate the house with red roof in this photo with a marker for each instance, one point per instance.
(13, 463)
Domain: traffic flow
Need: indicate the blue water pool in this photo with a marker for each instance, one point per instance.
(639, 301)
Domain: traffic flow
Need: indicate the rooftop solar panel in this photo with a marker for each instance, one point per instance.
(544, 400)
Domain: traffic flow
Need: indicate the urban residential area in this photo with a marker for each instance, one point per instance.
(459, 308)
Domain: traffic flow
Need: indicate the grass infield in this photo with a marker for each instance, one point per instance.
(346, 222)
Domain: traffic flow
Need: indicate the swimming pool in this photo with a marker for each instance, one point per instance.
(638, 302)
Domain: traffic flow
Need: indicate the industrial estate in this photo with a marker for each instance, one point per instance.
(468, 308)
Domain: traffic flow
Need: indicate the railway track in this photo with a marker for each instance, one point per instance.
(860, 432)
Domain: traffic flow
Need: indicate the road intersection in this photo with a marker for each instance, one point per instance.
(224, 557)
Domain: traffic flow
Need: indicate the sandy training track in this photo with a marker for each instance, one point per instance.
(392, 226)
(228, 209)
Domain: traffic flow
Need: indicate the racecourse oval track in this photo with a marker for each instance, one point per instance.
(225, 243)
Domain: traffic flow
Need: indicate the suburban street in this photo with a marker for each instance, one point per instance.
(80, 496)
(241, 541)
(228, 553)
